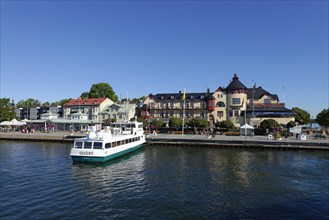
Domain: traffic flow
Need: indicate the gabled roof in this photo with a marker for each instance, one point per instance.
(94, 101)
(121, 107)
(235, 84)
(259, 93)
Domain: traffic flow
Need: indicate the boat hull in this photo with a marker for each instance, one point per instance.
(105, 158)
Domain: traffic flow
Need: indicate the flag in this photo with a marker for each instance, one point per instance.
(183, 97)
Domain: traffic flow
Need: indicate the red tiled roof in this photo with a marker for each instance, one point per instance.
(82, 101)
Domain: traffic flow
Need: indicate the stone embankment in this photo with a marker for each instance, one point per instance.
(186, 140)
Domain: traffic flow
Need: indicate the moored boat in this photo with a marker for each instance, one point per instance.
(112, 142)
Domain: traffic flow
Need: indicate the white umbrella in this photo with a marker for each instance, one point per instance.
(14, 122)
(5, 123)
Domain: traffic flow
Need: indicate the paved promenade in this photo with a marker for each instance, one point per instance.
(184, 140)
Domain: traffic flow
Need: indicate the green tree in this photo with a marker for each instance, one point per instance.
(198, 122)
(228, 125)
(158, 123)
(45, 104)
(269, 123)
(290, 124)
(301, 116)
(323, 118)
(7, 111)
(102, 90)
(60, 103)
(28, 103)
(85, 95)
(175, 122)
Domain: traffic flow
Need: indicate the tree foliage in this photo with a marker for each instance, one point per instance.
(46, 104)
(323, 118)
(28, 103)
(175, 122)
(226, 125)
(60, 103)
(85, 95)
(198, 122)
(101, 90)
(158, 123)
(7, 111)
(301, 116)
(134, 100)
(269, 123)
(290, 124)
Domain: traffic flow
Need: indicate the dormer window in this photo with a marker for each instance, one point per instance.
(162, 97)
(94, 102)
(202, 96)
(172, 97)
(192, 97)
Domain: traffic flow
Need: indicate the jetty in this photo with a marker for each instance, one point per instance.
(220, 141)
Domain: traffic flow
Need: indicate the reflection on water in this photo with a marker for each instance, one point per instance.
(39, 181)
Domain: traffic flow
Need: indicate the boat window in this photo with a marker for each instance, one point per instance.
(88, 145)
(98, 145)
(78, 144)
(108, 145)
(114, 144)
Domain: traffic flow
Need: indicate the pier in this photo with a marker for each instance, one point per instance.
(220, 141)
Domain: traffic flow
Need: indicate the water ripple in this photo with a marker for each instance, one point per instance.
(39, 181)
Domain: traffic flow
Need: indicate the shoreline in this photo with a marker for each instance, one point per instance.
(185, 140)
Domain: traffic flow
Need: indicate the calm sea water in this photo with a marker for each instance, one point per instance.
(39, 181)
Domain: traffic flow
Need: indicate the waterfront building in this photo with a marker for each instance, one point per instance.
(119, 112)
(235, 103)
(91, 107)
(36, 112)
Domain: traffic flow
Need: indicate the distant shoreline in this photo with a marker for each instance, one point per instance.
(220, 141)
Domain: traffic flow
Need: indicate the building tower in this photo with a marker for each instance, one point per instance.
(236, 101)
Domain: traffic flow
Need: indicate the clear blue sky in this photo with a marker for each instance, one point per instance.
(52, 50)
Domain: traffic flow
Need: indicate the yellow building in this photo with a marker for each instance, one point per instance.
(230, 103)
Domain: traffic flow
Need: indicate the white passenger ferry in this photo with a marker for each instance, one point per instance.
(114, 141)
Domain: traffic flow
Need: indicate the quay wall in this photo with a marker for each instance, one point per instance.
(186, 140)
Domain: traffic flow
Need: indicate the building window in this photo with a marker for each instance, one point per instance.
(220, 104)
(267, 101)
(235, 101)
(192, 104)
(236, 113)
(220, 114)
(230, 113)
(202, 115)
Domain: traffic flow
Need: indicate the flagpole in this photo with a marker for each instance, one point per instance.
(183, 112)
